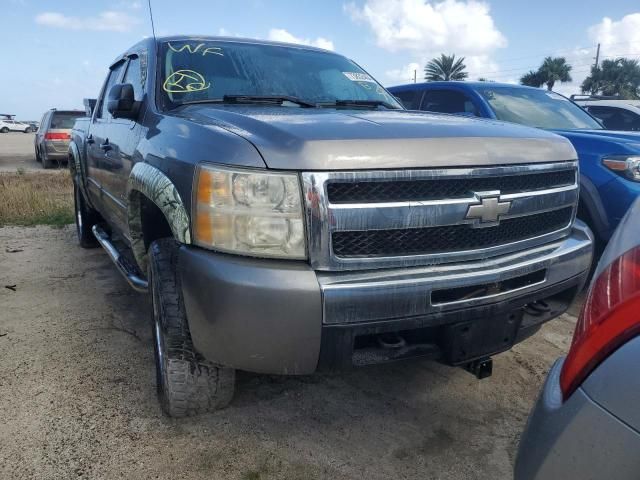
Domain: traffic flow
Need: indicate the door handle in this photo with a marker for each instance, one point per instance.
(106, 146)
(90, 139)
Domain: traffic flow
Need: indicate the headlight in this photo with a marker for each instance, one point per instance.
(627, 165)
(248, 212)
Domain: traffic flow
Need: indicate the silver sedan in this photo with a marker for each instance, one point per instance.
(586, 423)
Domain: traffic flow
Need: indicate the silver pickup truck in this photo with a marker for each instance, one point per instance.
(287, 215)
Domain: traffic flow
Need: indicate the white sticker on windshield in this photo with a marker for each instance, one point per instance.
(358, 77)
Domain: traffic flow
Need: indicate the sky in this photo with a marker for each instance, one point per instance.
(54, 54)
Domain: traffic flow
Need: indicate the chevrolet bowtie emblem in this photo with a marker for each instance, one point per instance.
(488, 210)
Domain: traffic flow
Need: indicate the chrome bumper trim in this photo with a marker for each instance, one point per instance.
(406, 292)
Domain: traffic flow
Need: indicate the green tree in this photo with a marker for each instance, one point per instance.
(619, 77)
(551, 71)
(445, 67)
(531, 79)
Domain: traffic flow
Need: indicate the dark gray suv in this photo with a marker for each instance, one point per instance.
(52, 138)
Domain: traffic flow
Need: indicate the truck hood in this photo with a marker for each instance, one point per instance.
(334, 139)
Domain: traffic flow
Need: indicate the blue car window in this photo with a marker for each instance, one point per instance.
(536, 108)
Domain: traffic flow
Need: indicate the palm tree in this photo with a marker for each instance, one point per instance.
(614, 77)
(554, 70)
(551, 71)
(445, 68)
(531, 79)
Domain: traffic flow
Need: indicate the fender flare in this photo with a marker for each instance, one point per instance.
(77, 171)
(147, 181)
(590, 198)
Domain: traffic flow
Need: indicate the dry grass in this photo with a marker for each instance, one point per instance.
(36, 199)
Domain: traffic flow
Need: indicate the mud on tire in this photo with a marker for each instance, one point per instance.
(187, 383)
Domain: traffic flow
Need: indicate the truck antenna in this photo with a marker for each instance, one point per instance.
(153, 28)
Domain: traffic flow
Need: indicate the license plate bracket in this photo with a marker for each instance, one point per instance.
(481, 337)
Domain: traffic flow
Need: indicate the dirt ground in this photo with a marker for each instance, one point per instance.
(17, 151)
(77, 394)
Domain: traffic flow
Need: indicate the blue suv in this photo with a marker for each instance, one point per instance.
(609, 160)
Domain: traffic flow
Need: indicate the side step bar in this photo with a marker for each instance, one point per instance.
(129, 272)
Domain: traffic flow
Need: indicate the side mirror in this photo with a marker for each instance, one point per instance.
(121, 102)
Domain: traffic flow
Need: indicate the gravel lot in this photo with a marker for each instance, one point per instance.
(77, 390)
(77, 394)
(17, 151)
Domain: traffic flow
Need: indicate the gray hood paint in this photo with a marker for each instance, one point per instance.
(330, 139)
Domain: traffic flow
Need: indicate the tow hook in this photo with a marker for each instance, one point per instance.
(482, 368)
(537, 308)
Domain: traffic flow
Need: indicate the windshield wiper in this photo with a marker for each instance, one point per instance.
(268, 99)
(253, 99)
(359, 103)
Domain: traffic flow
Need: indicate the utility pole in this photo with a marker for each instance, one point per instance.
(415, 76)
(597, 56)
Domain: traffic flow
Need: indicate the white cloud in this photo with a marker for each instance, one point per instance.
(282, 35)
(405, 73)
(426, 29)
(617, 38)
(111, 20)
(621, 36)
(464, 27)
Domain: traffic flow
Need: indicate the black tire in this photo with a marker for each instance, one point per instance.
(46, 163)
(27, 130)
(86, 218)
(5, 130)
(38, 157)
(187, 384)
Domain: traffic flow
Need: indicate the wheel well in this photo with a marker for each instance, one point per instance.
(153, 222)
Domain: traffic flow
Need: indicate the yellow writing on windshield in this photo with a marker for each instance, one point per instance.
(199, 48)
(184, 81)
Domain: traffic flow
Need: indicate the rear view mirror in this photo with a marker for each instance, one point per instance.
(121, 102)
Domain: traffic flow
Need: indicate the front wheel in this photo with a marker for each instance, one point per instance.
(187, 384)
(27, 130)
(86, 218)
(4, 130)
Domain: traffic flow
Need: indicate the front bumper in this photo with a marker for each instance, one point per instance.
(575, 439)
(282, 317)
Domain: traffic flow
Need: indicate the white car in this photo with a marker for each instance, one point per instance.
(613, 114)
(14, 126)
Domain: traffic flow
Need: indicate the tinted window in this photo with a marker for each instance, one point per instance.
(64, 119)
(448, 101)
(194, 70)
(114, 75)
(536, 108)
(134, 77)
(410, 98)
(615, 118)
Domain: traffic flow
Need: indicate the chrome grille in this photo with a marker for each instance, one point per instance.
(448, 238)
(429, 221)
(438, 188)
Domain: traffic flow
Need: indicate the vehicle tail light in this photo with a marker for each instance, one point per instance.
(609, 318)
(57, 136)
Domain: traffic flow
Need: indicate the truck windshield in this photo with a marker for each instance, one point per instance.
(200, 71)
(537, 108)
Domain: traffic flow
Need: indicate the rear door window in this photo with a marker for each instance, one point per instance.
(410, 99)
(448, 101)
(64, 120)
